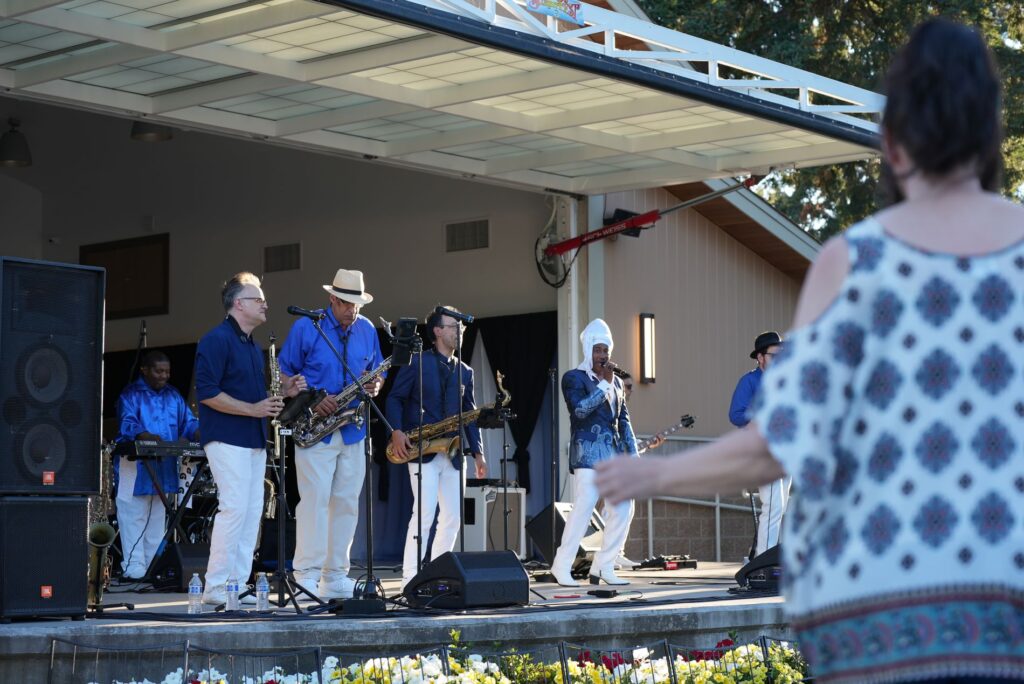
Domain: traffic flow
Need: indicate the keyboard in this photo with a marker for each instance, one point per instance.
(148, 448)
(487, 482)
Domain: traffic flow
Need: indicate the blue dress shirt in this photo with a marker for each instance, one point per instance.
(163, 413)
(743, 397)
(306, 352)
(440, 398)
(229, 361)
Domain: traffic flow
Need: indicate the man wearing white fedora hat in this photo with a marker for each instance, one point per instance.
(330, 473)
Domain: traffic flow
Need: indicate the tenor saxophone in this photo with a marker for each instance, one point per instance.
(435, 437)
(312, 428)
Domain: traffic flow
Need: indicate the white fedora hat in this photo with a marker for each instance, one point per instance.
(348, 285)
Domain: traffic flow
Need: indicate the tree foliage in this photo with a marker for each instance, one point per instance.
(850, 41)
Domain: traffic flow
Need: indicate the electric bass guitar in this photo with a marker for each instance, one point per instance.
(685, 421)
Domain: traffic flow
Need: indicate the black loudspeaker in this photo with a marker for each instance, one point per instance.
(762, 573)
(173, 568)
(44, 556)
(51, 383)
(470, 579)
(539, 530)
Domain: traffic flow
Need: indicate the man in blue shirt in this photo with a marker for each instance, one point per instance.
(441, 475)
(330, 473)
(233, 408)
(773, 495)
(148, 408)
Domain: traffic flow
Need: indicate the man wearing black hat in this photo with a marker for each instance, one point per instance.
(774, 495)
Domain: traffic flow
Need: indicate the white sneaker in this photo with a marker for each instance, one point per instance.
(623, 563)
(338, 588)
(308, 582)
(215, 596)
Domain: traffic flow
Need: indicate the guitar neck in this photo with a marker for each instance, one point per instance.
(687, 421)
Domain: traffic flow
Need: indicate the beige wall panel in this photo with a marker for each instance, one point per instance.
(711, 297)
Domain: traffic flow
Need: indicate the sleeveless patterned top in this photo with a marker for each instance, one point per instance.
(899, 414)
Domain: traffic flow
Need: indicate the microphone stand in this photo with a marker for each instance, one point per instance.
(138, 351)
(553, 375)
(418, 349)
(462, 442)
(368, 602)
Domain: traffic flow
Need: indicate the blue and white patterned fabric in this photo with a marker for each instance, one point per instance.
(600, 422)
(900, 415)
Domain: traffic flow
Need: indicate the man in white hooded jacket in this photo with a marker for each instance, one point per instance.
(601, 430)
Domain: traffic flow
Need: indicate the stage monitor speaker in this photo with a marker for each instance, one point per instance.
(51, 382)
(470, 579)
(483, 519)
(44, 556)
(172, 570)
(762, 573)
(539, 530)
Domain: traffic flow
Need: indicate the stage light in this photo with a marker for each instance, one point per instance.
(647, 348)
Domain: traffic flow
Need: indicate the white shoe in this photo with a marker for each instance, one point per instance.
(623, 563)
(215, 596)
(564, 577)
(335, 589)
(608, 577)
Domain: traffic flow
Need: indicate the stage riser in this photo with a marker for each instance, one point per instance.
(24, 647)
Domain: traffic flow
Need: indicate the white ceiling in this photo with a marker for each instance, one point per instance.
(483, 89)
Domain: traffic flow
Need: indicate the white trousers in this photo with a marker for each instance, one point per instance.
(617, 520)
(774, 497)
(440, 485)
(239, 474)
(141, 521)
(330, 477)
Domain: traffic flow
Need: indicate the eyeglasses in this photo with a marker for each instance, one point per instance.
(770, 353)
(451, 325)
(260, 301)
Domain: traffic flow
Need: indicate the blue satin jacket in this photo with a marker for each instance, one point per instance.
(164, 413)
(599, 432)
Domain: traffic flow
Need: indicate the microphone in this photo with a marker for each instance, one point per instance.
(465, 318)
(299, 311)
(145, 342)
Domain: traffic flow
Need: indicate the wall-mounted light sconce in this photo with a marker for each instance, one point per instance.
(14, 147)
(647, 348)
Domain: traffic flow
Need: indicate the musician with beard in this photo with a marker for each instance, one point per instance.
(330, 473)
(440, 400)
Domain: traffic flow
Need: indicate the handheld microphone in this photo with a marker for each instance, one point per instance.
(465, 318)
(299, 311)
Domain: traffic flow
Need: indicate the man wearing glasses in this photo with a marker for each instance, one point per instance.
(233, 408)
(440, 400)
(773, 495)
(330, 473)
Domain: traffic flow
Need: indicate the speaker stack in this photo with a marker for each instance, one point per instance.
(51, 355)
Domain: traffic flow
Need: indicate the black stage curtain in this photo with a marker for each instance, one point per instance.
(522, 347)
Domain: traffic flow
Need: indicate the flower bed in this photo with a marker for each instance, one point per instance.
(725, 664)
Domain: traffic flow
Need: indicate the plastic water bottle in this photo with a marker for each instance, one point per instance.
(262, 593)
(232, 592)
(195, 595)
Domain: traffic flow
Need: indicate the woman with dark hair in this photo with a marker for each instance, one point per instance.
(897, 404)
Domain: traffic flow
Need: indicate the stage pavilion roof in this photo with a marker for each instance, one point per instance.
(485, 89)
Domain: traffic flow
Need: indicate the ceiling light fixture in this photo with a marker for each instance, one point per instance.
(144, 131)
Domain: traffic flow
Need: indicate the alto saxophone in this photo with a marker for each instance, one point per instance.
(312, 427)
(432, 436)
